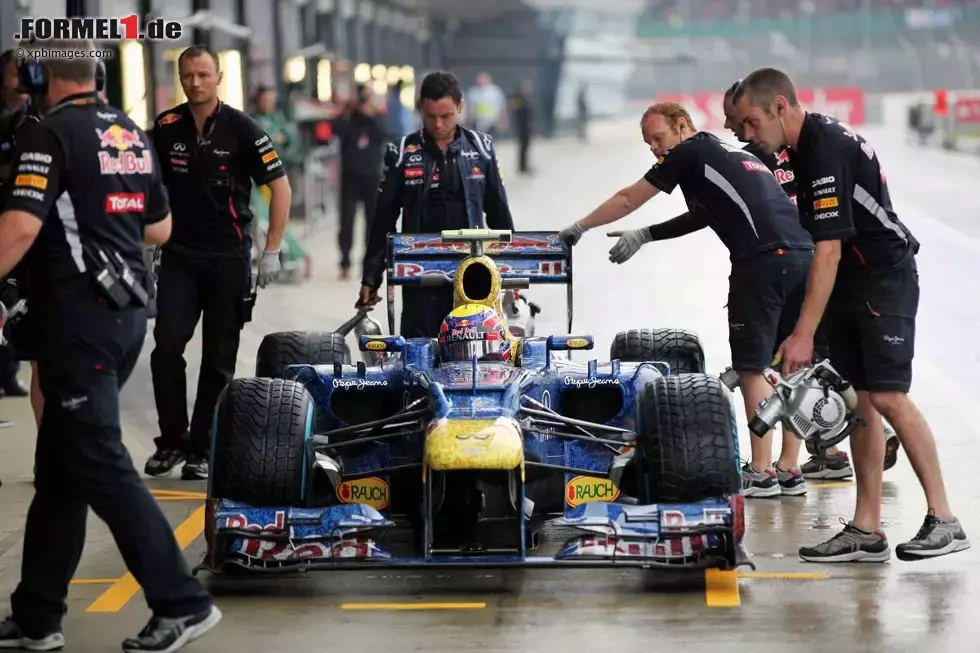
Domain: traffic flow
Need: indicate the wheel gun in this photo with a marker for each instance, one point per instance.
(814, 403)
(19, 308)
(363, 324)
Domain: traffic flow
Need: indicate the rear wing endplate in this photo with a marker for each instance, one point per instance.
(535, 256)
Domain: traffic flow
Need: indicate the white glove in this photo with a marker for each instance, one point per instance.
(572, 234)
(629, 244)
(269, 268)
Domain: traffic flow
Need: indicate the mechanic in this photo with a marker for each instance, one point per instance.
(88, 176)
(732, 192)
(362, 142)
(441, 177)
(864, 284)
(834, 464)
(210, 153)
(12, 109)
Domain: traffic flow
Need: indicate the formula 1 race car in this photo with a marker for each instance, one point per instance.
(477, 447)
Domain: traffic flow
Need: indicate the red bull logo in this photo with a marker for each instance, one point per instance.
(118, 138)
(782, 157)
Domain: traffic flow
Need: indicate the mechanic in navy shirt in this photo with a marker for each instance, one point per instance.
(832, 463)
(210, 154)
(865, 285)
(736, 195)
(85, 197)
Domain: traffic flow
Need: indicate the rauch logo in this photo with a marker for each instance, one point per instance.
(369, 491)
(583, 489)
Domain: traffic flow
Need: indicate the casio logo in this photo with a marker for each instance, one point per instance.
(124, 203)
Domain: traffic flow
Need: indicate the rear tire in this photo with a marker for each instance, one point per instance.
(687, 439)
(258, 454)
(299, 348)
(681, 349)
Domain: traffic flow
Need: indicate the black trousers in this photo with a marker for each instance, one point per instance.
(9, 364)
(90, 350)
(192, 289)
(523, 147)
(423, 311)
(354, 190)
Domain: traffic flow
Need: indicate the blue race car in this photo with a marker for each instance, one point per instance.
(475, 447)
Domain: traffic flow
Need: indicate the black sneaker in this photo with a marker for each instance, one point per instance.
(195, 469)
(12, 637)
(833, 467)
(759, 484)
(163, 462)
(167, 635)
(850, 545)
(892, 445)
(935, 538)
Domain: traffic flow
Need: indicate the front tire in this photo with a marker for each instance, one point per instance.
(259, 449)
(681, 349)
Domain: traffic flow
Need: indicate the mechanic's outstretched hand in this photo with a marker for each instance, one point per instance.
(269, 268)
(795, 352)
(572, 234)
(629, 244)
(368, 298)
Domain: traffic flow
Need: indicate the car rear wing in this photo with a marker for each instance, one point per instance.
(522, 257)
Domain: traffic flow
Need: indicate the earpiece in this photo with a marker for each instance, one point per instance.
(100, 76)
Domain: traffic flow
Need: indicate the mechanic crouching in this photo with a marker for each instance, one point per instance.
(736, 195)
(441, 177)
(86, 196)
(210, 154)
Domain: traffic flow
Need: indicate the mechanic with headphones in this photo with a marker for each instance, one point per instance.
(863, 288)
(210, 155)
(441, 177)
(736, 195)
(86, 195)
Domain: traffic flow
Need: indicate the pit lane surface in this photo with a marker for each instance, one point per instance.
(895, 607)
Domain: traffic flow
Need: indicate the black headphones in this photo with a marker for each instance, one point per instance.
(34, 77)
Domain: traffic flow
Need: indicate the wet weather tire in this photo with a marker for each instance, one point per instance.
(259, 449)
(687, 439)
(299, 348)
(681, 349)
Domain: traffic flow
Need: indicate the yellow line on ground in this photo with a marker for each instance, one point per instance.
(830, 485)
(785, 575)
(412, 606)
(125, 588)
(721, 589)
(166, 498)
(93, 581)
(179, 493)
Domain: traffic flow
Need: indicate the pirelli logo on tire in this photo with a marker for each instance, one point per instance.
(825, 203)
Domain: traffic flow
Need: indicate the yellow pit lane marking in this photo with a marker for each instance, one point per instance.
(125, 588)
(830, 485)
(721, 589)
(178, 494)
(412, 606)
(785, 575)
(94, 581)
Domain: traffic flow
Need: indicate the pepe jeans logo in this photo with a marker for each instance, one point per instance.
(357, 384)
(589, 383)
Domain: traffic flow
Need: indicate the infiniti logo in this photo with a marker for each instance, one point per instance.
(357, 384)
(180, 147)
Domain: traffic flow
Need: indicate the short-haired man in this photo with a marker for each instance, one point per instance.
(833, 464)
(735, 194)
(864, 284)
(441, 177)
(210, 155)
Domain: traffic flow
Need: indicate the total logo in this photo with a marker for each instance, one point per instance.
(584, 489)
(368, 491)
(358, 384)
(589, 383)
(124, 203)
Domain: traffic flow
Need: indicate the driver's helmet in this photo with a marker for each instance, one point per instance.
(474, 330)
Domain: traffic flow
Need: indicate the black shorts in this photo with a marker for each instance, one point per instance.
(765, 294)
(870, 326)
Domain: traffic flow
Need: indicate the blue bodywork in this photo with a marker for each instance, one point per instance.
(565, 509)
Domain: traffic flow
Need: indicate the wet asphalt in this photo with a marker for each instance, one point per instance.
(785, 603)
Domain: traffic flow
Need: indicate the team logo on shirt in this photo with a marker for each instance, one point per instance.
(115, 137)
(411, 148)
(825, 203)
(782, 157)
(476, 173)
(124, 203)
(413, 173)
(169, 118)
(755, 165)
